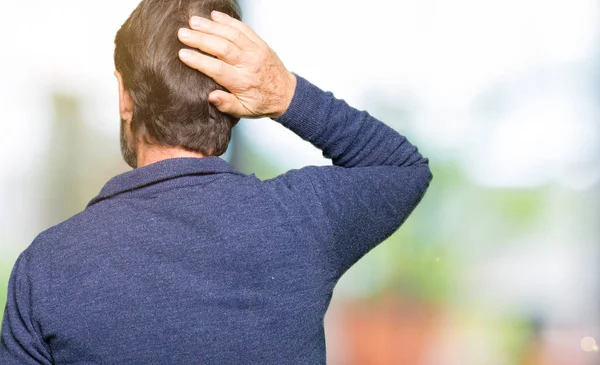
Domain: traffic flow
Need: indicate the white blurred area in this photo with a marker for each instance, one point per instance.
(508, 91)
(446, 60)
(66, 47)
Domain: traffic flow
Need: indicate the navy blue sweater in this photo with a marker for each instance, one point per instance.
(189, 261)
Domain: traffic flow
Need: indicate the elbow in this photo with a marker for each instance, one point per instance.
(421, 168)
(426, 173)
(425, 164)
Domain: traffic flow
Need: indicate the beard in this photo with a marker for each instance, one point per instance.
(128, 150)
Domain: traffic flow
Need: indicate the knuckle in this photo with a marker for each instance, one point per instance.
(257, 65)
(258, 70)
(227, 49)
(253, 60)
(238, 36)
(246, 85)
(220, 69)
(253, 69)
(253, 85)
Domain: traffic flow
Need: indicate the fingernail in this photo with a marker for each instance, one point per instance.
(217, 15)
(185, 54)
(185, 33)
(197, 22)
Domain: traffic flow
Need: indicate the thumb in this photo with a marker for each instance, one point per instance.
(227, 103)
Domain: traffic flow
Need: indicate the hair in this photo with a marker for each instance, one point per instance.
(171, 106)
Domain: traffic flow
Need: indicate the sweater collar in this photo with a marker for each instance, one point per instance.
(161, 171)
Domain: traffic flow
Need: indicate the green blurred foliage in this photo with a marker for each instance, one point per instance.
(5, 270)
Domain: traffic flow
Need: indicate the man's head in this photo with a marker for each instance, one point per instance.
(162, 101)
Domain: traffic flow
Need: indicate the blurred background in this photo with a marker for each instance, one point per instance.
(497, 266)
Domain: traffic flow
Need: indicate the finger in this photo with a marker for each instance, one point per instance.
(239, 25)
(227, 103)
(228, 32)
(218, 70)
(216, 46)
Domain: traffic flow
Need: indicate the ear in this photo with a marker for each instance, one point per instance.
(125, 100)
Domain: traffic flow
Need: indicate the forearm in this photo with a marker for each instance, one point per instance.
(349, 137)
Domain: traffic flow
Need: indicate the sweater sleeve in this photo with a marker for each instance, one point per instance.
(377, 179)
(20, 339)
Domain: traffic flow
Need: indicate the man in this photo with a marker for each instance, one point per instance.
(185, 260)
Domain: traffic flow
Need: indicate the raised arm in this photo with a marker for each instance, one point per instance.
(349, 137)
(378, 177)
(377, 181)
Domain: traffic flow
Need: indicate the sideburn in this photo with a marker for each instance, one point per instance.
(128, 148)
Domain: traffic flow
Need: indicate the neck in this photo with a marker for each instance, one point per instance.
(147, 155)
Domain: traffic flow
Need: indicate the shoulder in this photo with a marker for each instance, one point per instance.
(52, 239)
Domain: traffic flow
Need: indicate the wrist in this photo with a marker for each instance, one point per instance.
(290, 89)
(304, 116)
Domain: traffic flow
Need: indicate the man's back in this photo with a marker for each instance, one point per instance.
(205, 265)
(189, 261)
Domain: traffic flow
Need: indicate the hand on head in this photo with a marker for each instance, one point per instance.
(259, 84)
